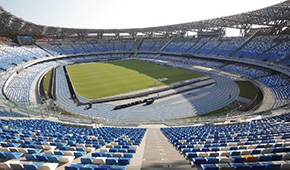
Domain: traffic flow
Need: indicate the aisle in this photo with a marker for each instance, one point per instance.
(160, 154)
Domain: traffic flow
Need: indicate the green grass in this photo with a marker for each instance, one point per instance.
(46, 81)
(98, 80)
(247, 89)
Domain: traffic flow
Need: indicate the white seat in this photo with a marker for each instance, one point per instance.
(252, 147)
(267, 150)
(225, 154)
(88, 145)
(40, 147)
(48, 166)
(232, 144)
(5, 165)
(68, 153)
(134, 147)
(104, 150)
(66, 159)
(225, 159)
(224, 148)
(99, 160)
(16, 164)
(224, 166)
(90, 149)
(5, 149)
(198, 146)
(23, 150)
(72, 149)
(246, 153)
(202, 154)
(118, 154)
(80, 145)
(49, 147)
(49, 152)
(242, 148)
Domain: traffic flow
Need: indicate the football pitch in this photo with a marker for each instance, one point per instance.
(103, 79)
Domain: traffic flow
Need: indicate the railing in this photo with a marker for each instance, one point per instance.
(49, 110)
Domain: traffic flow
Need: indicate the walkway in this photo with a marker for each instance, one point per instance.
(161, 154)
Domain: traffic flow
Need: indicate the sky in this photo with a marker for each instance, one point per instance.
(111, 14)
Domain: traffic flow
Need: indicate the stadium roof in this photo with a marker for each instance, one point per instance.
(275, 16)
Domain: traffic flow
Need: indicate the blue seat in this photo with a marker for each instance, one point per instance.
(286, 149)
(112, 161)
(199, 160)
(82, 149)
(238, 159)
(2, 155)
(59, 144)
(42, 158)
(191, 154)
(233, 148)
(124, 161)
(128, 155)
(107, 154)
(53, 158)
(73, 167)
(235, 153)
(118, 167)
(30, 157)
(58, 152)
(97, 146)
(103, 167)
(88, 167)
(185, 150)
(240, 166)
(34, 151)
(13, 155)
(270, 166)
(97, 154)
(63, 148)
(87, 160)
(275, 157)
(215, 149)
(209, 167)
(211, 160)
(277, 150)
(195, 150)
(255, 166)
(131, 150)
(79, 154)
(126, 146)
(113, 149)
(263, 157)
(123, 150)
(255, 151)
(33, 166)
(10, 144)
(205, 149)
(278, 145)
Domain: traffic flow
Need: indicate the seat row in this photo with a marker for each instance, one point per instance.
(281, 165)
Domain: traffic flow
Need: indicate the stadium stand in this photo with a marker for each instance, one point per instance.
(234, 139)
(262, 144)
(32, 144)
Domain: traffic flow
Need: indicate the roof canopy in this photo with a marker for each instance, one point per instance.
(276, 16)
